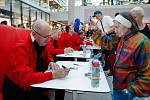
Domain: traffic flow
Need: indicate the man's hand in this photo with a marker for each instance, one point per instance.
(53, 66)
(60, 73)
(68, 50)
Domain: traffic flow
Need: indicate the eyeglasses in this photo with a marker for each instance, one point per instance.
(48, 36)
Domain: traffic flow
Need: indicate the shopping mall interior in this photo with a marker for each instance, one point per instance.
(59, 13)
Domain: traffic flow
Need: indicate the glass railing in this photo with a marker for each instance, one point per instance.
(127, 2)
(62, 9)
(38, 3)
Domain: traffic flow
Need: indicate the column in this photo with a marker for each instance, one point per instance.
(36, 14)
(21, 12)
(71, 11)
(30, 18)
(41, 15)
(11, 13)
(49, 19)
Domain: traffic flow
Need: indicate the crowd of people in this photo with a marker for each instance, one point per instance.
(125, 36)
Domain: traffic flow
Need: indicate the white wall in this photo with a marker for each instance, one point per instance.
(111, 10)
(59, 16)
(79, 12)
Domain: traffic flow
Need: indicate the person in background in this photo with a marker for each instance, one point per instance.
(4, 22)
(104, 25)
(132, 65)
(52, 45)
(21, 26)
(53, 51)
(29, 64)
(138, 14)
(78, 25)
(66, 40)
(14, 25)
(116, 14)
(79, 38)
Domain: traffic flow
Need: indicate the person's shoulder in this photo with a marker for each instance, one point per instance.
(67, 34)
(75, 34)
(141, 36)
(63, 34)
(23, 42)
(138, 39)
(51, 39)
(144, 40)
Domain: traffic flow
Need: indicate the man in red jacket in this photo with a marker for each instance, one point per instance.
(52, 46)
(66, 40)
(78, 39)
(29, 64)
(53, 51)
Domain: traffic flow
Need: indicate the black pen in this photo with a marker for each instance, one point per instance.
(76, 64)
(64, 67)
(75, 68)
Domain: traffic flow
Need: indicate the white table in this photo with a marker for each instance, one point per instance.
(76, 80)
(93, 47)
(76, 55)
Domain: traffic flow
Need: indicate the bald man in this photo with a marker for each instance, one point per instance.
(52, 45)
(29, 64)
(138, 14)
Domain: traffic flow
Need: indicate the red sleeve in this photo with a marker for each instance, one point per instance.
(77, 40)
(77, 48)
(88, 43)
(68, 40)
(22, 66)
(52, 51)
(60, 42)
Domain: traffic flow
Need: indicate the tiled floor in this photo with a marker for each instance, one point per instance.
(97, 96)
(92, 96)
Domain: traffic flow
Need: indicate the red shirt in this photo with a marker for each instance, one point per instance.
(52, 50)
(22, 63)
(65, 41)
(78, 41)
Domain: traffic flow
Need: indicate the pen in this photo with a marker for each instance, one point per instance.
(76, 64)
(75, 68)
(64, 67)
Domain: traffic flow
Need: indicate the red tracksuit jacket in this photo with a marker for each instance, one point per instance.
(23, 62)
(52, 48)
(78, 41)
(66, 40)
